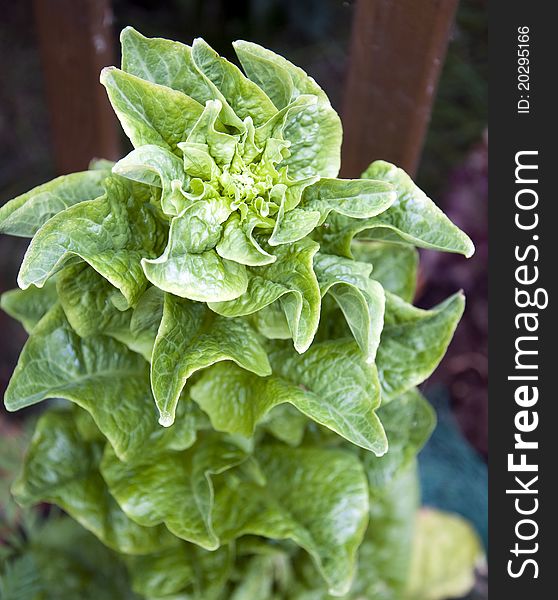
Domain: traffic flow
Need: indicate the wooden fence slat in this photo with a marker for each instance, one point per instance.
(397, 51)
(75, 41)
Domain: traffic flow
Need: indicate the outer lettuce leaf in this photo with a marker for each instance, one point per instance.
(61, 468)
(265, 68)
(319, 198)
(331, 383)
(413, 218)
(315, 497)
(130, 231)
(316, 133)
(256, 579)
(172, 64)
(357, 198)
(385, 555)
(163, 62)
(292, 281)
(86, 298)
(446, 551)
(293, 225)
(150, 113)
(70, 563)
(184, 571)
(286, 424)
(25, 215)
(414, 341)
(273, 128)
(242, 95)
(263, 570)
(89, 301)
(191, 338)
(29, 306)
(147, 314)
(174, 488)
(395, 265)
(408, 421)
(92, 372)
(361, 299)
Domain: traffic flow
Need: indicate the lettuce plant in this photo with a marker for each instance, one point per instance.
(231, 325)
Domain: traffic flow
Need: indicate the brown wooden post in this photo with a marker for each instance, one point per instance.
(397, 51)
(76, 42)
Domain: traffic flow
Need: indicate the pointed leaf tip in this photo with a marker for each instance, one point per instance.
(166, 419)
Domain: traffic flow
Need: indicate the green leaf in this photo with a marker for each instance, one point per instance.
(30, 305)
(315, 137)
(408, 421)
(86, 298)
(191, 338)
(20, 579)
(257, 579)
(292, 281)
(273, 128)
(198, 163)
(164, 62)
(156, 166)
(267, 72)
(244, 97)
(204, 277)
(358, 198)
(272, 323)
(97, 373)
(25, 215)
(414, 341)
(293, 225)
(89, 302)
(184, 570)
(174, 488)
(209, 131)
(190, 267)
(129, 229)
(238, 243)
(315, 497)
(413, 218)
(385, 554)
(395, 265)
(101, 164)
(330, 383)
(315, 134)
(62, 469)
(147, 314)
(198, 228)
(172, 64)
(361, 299)
(72, 564)
(150, 113)
(446, 551)
(286, 423)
